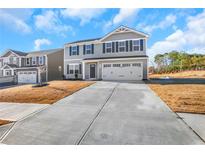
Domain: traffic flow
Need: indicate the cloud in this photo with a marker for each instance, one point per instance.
(192, 38)
(16, 19)
(50, 22)
(39, 42)
(85, 15)
(124, 15)
(168, 21)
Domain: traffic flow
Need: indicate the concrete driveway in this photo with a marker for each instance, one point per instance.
(104, 113)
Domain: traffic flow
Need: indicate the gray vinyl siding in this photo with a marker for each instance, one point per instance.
(98, 48)
(54, 61)
(128, 35)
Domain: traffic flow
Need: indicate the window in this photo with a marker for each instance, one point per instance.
(116, 65)
(74, 69)
(88, 49)
(41, 60)
(74, 50)
(27, 61)
(121, 46)
(125, 65)
(33, 60)
(136, 65)
(136, 45)
(107, 65)
(108, 47)
(14, 60)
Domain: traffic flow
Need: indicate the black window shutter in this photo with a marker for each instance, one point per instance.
(141, 44)
(68, 69)
(130, 45)
(103, 47)
(127, 46)
(92, 48)
(84, 49)
(113, 46)
(70, 51)
(78, 50)
(80, 68)
(116, 46)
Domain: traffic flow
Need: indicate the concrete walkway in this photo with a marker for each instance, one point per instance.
(104, 113)
(196, 122)
(17, 111)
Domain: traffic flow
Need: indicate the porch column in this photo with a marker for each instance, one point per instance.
(83, 70)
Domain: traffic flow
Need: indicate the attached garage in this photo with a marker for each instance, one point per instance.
(27, 76)
(122, 71)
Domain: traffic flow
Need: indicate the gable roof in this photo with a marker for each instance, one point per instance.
(124, 29)
(43, 52)
(19, 53)
(9, 65)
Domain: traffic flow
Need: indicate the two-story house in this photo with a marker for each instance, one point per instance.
(32, 67)
(119, 55)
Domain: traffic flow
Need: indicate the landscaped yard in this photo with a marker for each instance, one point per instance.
(55, 91)
(4, 122)
(182, 97)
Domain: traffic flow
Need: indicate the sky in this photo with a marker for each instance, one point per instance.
(36, 29)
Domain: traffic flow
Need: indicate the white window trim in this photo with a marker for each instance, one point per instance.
(121, 46)
(135, 45)
(88, 51)
(108, 47)
(74, 68)
(40, 61)
(33, 59)
(74, 51)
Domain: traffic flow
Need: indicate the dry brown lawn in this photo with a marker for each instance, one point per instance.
(55, 91)
(184, 74)
(182, 97)
(4, 122)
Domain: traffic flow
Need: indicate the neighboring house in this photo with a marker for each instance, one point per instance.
(32, 67)
(119, 55)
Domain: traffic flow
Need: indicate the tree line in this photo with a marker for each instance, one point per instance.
(176, 61)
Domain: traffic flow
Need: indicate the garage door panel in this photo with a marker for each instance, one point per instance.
(122, 71)
(27, 77)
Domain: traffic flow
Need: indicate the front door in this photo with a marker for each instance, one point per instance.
(92, 71)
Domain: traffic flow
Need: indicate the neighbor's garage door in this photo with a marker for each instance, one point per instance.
(122, 71)
(27, 77)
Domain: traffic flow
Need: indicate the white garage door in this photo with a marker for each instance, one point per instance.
(122, 71)
(27, 77)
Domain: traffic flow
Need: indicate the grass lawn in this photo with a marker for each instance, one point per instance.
(55, 91)
(182, 97)
(184, 74)
(4, 122)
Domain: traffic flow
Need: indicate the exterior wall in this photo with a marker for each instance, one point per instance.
(71, 76)
(54, 61)
(98, 48)
(122, 36)
(23, 62)
(7, 59)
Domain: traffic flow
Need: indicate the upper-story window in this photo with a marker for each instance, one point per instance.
(33, 60)
(108, 47)
(27, 61)
(88, 49)
(41, 60)
(74, 50)
(121, 46)
(136, 45)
